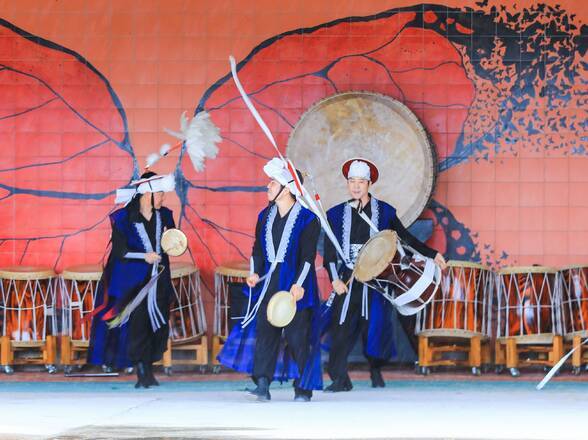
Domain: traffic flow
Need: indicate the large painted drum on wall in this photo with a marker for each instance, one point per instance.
(373, 126)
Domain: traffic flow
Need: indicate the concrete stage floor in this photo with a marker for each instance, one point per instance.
(193, 406)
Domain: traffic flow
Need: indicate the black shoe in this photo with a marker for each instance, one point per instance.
(348, 383)
(377, 379)
(301, 395)
(149, 376)
(261, 392)
(339, 385)
(141, 376)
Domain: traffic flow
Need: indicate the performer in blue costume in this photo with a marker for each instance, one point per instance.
(284, 251)
(136, 268)
(357, 309)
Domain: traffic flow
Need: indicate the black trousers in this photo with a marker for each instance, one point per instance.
(344, 337)
(267, 345)
(144, 344)
(408, 324)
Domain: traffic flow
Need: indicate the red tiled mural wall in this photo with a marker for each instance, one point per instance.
(86, 93)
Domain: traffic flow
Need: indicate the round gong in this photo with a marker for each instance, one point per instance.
(373, 126)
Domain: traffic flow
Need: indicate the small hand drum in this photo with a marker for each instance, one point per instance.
(174, 242)
(281, 309)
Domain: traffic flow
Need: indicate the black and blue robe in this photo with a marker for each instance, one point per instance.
(125, 274)
(361, 311)
(284, 252)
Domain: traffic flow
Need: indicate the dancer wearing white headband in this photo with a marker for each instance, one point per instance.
(128, 330)
(283, 257)
(357, 309)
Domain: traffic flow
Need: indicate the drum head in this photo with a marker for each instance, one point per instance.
(26, 273)
(281, 309)
(238, 269)
(375, 255)
(181, 269)
(83, 272)
(174, 242)
(373, 126)
(523, 270)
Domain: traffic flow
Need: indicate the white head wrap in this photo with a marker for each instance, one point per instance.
(164, 183)
(359, 170)
(276, 169)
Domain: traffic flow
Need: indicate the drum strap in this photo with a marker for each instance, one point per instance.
(375, 229)
(364, 294)
(419, 287)
(369, 221)
(431, 273)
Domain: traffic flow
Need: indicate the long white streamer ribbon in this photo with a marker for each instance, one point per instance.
(251, 107)
(306, 196)
(557, 366)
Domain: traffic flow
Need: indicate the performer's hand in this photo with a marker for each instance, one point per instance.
(297, 291)
(252, 280)
(339, 287)
(152, 258)
(440, 260)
